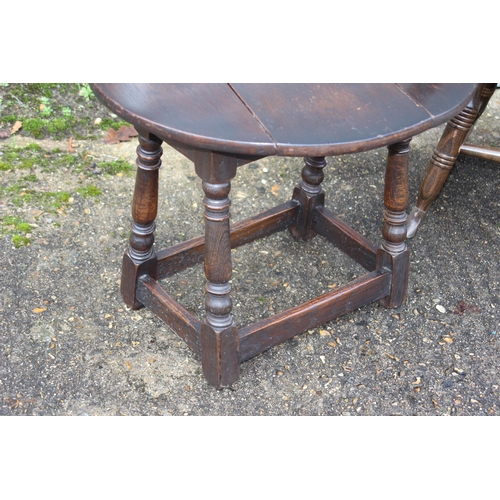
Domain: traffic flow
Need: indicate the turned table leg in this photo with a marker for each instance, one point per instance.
(445, 155)
(140, 259)
(393, 253)
(219, 334)
(309, 193)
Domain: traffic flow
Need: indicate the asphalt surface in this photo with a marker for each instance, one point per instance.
(69, 346)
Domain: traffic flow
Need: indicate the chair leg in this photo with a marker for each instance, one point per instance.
(140, 259)
(445, 156)
(393, 254)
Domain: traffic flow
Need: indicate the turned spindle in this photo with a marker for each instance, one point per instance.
(140, 258)
(309, 193)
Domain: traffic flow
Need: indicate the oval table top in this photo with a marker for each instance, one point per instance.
(286, 119)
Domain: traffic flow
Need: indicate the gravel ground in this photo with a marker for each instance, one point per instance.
(69, 346)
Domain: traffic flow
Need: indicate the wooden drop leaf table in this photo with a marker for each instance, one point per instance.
(221, 127)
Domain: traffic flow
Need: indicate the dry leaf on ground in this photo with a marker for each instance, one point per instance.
(16, 127)
(124, 133)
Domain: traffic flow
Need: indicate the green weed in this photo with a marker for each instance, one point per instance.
(86, 91)
(45, 108)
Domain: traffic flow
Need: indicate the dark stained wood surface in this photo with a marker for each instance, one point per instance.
(222, 126)
(207, 116)
(292, 119)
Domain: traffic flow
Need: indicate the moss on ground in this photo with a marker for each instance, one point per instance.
(17, 228)
(115, 167)
(34, 156)
(24, 184)
(89, 191)
(55, 110)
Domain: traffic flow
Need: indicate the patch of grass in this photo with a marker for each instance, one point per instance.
(58, 110)
(34, 147)
(115, 167)
(56, 127)
(23, 227)
(17, 228)
(19, 195)
(35, 126)
(16, 187)
(10, 154)
(59, 125)
(54, 200)
(33, 155)
(20, 241)
(10, 220)
(89, 191)
(9, 119)
(108, 123)
(37, 89)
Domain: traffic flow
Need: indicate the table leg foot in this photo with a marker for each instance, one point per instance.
(131, 272)
(219, 355)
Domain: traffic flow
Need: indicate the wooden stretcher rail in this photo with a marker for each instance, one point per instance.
(179, 319)
(189, 253)
(335, 230)
(271, 331)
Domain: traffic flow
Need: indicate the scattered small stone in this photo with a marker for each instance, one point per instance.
(440, 308)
